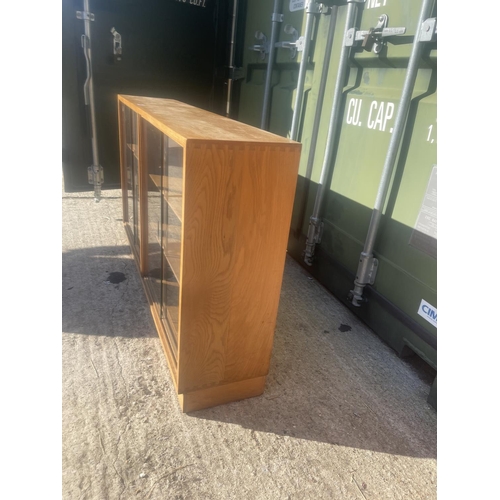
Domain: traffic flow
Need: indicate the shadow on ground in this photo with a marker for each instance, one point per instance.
(93, 305)
(333, 380)
(327, 383)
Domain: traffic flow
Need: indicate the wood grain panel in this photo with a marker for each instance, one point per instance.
(209, 228)
(265, 200)
(182, 122)
(236, 228)
(221, 394)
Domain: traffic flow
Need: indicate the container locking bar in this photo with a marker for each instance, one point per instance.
(276, 19)
(313, 9)
(314, 230)
(298, 44)
(95, 171)
(364, 274)
(375, 39)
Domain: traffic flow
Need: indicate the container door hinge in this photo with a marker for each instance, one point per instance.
(375, 39)
(85, 15)
(428, 30)
(95, 175)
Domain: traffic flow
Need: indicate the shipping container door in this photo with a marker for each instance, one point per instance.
(170, 48)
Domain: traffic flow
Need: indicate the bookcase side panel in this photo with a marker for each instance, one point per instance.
(238, 203)
(268, 175)
(207, 261)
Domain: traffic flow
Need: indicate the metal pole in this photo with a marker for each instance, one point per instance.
(89, 100)
(311, 10)
(367, 263)
(276, 19)
(321, 91)
(315, 223)
(231, 57)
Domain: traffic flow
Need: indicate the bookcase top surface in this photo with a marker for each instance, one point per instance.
(183, 122)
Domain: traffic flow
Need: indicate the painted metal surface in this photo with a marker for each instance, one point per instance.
(405, 246)
(169, 48)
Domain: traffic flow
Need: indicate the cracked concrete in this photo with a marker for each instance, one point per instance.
(342, 416)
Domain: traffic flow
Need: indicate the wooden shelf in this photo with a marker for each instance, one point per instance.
(134, 148)
(172, 194)
(229, 191)
(173, 256)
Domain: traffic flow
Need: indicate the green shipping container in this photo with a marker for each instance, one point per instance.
(371, 139)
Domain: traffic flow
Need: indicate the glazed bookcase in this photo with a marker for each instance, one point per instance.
(207, 204)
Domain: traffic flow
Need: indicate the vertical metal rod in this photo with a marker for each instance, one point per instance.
(96, 168)
(366, 257)
(321, 91)
(231, 56)
(276, 20)
(299, 93)
(315, 223)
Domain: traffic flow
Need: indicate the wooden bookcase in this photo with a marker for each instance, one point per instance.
(207, 204)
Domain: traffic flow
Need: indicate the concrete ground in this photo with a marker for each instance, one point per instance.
(342, 416)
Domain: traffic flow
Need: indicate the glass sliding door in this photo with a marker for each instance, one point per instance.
(152, 163)
(132, 170)
(171, 240)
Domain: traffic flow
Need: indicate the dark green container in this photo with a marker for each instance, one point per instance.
(170, 48)
(401, 305)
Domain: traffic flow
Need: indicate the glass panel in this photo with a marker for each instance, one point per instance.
(134, 147)
(171, 240)
(152, 147)
(170, 304)
(132, 163)
(174, 173)
(129, 162)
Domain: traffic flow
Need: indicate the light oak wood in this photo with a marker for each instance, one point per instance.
(182, 122)
(235, 237)
(221, 394)
(233, 198)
